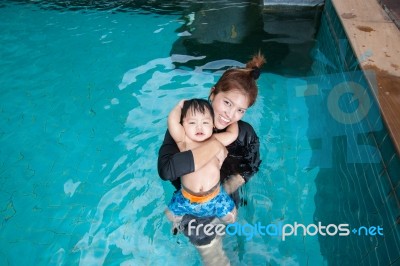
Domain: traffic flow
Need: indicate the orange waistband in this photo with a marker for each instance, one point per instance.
(200, 199)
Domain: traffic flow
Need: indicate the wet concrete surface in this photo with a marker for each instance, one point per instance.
(371, 29)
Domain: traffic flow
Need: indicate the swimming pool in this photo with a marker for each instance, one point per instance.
(85, 94)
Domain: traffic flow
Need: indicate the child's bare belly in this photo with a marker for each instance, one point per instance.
(202, 180)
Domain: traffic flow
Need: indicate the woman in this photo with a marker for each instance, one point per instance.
(233, 94)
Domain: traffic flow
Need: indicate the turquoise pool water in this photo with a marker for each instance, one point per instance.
(85, 92)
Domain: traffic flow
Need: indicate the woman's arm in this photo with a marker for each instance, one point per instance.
(173, 164)
(233, 183)
(243, 160)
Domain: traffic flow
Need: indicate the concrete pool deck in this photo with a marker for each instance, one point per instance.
(372, 32)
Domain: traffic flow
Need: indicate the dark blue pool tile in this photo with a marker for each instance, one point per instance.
(376, 169)
(389, 237)
(365, 245)
(374, 113)
(393, 169)
(353, 66)
(377, 122)
(358, 77)
(350, 59)
(379, 136)
(377, 201)
(371, 204)
(369, 172)
(393, 205)
(378, 191)
(390, 210)
(387, 149)
(368, 139)
(379, 253)
(331, 17)
(359, 248)
(334, 20)
(376, 153)
(374, 218)
(392, 237)
(386, 183)
(375, 119)
(369, 260)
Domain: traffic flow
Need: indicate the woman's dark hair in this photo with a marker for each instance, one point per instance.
(242, 79)
(196, 105)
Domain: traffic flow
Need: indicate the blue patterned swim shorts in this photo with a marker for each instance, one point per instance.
(219, 206)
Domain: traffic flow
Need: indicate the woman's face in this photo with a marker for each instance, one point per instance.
(229, 107)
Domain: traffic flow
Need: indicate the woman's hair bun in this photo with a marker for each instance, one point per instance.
(255, 72)
(255, 65)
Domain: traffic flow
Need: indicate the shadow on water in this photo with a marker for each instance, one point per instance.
(226, 30)
(241, 29)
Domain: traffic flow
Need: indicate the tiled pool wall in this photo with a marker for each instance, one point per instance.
(360, 193)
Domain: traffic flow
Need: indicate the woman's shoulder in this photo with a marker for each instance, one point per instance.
(246, 132)
(246, 127)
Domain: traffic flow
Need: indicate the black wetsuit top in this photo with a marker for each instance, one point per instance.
(243, 158)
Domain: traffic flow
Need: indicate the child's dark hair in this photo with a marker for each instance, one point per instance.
(196, 105)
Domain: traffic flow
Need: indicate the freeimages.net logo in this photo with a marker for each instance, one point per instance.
(282, 230)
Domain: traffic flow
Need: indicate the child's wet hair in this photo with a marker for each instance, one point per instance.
(196, 105)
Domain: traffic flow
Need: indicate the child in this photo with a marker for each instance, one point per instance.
(190, 123)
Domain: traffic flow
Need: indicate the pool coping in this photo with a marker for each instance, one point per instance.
(373, 36)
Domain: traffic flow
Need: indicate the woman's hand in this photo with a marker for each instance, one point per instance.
(233, 183)
(221, 155)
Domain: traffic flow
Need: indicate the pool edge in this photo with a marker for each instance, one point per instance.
(373, 37)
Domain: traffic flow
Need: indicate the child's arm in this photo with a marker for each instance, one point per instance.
(175, 128)
(229, 136)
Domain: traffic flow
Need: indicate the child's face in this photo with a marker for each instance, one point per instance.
(198, 127)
